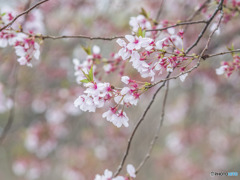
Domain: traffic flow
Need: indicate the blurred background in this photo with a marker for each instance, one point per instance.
(201, 130)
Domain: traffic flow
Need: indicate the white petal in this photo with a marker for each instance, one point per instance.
(171, 30)
(125, 90)
(130, 38)
(131, 170)
(183, 77)
(221, 70)
(121, 42)
(96, 49)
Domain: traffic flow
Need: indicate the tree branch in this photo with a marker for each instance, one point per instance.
(12, 111)
(136, 127)
(147, 156)
(206, 26)
(198, 10)
(221, 53)
(75, 36)
(179, 24)
(201, 56)
(160, 10)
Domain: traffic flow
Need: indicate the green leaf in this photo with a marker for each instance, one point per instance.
(140, 32)
(3, 14)
(90, 75)
(84, 81)
(143, 33)
(144, 13)
(87, 50)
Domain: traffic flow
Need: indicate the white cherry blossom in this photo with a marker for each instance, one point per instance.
(131, 170)
(125, 79)
(221, 70)
(124, 52)
(183, 77)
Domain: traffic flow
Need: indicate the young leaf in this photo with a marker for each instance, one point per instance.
(139, 32)
(143, 33)
(90, 75)
(84, 81)
(87, 50)
(144, 13)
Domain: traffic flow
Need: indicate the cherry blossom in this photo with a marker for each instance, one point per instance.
(125, 53)
(139, 22)
(81, 68)
(183, 77)
(117, 118)
(27, 49)
(229, 67)
(221, 70)
(131, 170)
(125, 79)
(108, 174)
(138, 42)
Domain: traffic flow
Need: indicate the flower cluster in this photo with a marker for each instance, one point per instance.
(229, 67)
(231, 10)
(108, 174)
(94, 59)
(150, 56)
(26, 47)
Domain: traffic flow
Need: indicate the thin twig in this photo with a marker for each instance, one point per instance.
(147, 156)
(160, 10)
(179, 24)
(76, 36)
(12, 111)
(196, 13)
(201, 56)
(136, 127)
(110, 38)
(221, 53)
(21, 14)
(206, 26)
(198, 10)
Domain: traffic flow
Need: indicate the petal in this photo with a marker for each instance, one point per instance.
(183, 77)
(96, 49)
(130, 38)
(121, 42)
(131, 170)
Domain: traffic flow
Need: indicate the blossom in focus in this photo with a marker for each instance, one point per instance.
(124, 52)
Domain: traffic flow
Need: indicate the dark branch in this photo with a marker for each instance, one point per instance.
(77, 36)
(157, 131)
(206, 26)
(136, 127)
